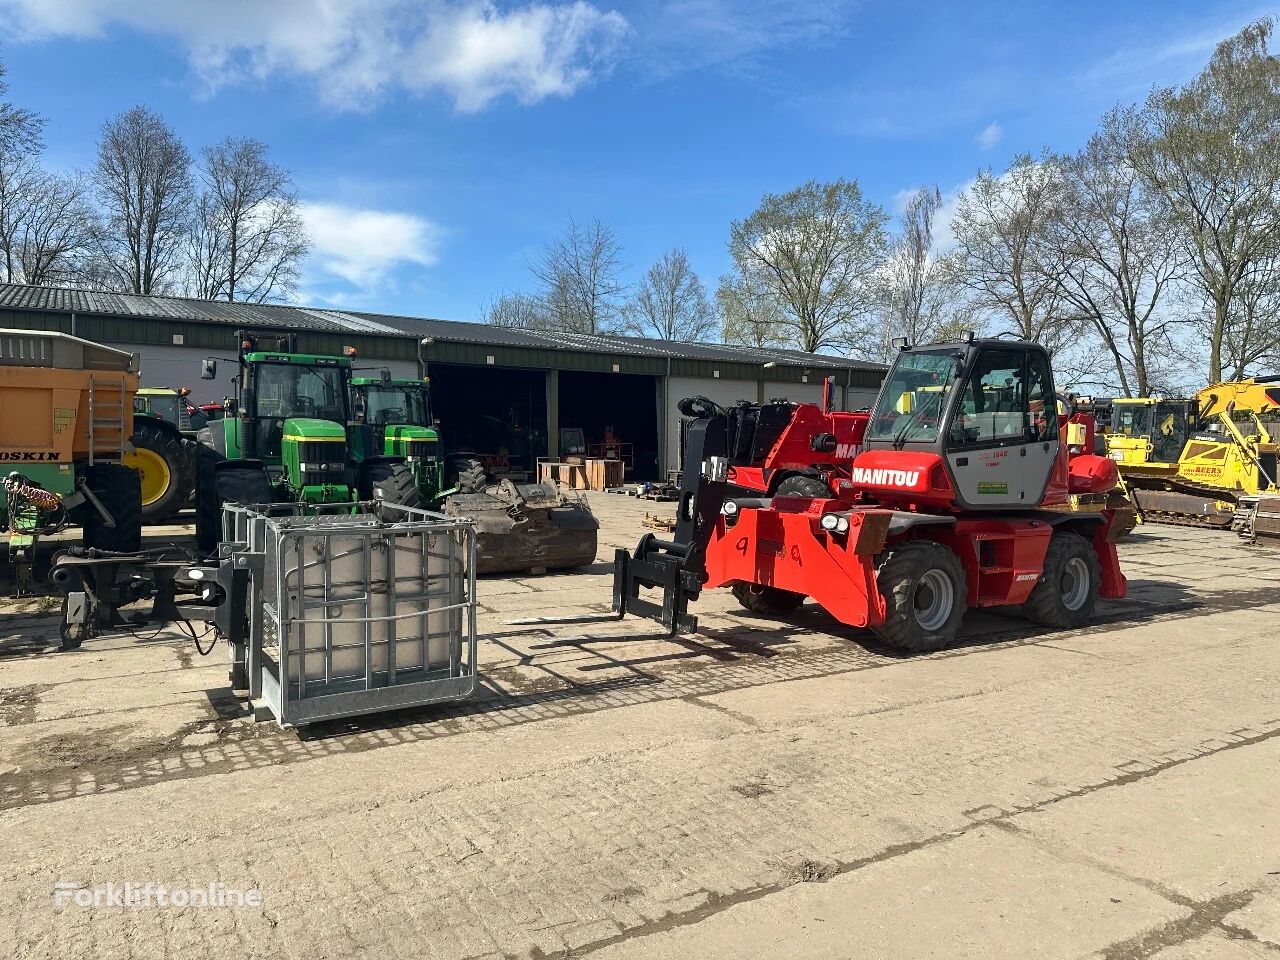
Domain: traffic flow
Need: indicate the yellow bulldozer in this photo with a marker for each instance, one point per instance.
(1191, 461)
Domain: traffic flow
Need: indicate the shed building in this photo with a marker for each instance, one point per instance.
(506, 393)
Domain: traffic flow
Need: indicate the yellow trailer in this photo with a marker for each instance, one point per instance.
(66, 416)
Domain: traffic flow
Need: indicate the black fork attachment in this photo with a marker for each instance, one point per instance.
(678, 566)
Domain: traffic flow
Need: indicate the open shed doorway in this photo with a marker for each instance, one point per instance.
(498, 414)
(625, 402)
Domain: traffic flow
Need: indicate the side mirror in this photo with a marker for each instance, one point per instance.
(209, 369)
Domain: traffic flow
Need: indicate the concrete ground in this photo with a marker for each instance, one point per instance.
(766, 789)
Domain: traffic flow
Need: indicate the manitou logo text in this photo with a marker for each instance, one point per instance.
(846, 451)
(886, 478)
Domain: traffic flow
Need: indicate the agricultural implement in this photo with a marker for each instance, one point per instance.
(66, 416)
(959, 499)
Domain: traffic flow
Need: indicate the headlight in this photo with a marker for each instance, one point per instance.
(730, 508)
(835, 523)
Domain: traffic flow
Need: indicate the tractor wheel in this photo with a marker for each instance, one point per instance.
(800, 485)
(766, 600)
(394, 483)
(243, 482)
(471, 475)
(924, 591)
(1068, 588)
(162, 459)
(119, 489)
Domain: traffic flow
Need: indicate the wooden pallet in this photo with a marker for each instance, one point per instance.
(655, 522)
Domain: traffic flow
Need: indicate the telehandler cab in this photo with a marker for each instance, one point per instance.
(957, 500)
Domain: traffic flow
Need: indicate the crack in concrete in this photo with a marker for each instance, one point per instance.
(1208, 914)
(1204, 917)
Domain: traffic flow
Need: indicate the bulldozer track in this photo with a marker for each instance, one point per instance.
(1174, 518)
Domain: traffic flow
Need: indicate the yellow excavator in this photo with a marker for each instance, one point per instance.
(1191, 461)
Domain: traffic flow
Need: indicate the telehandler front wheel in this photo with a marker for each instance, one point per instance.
(1068, 589)
(924, 591)
(766, 600)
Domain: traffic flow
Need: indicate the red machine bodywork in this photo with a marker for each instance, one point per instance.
(794, 450)
(784, 545)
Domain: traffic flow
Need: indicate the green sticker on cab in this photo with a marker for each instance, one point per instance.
(988, 489)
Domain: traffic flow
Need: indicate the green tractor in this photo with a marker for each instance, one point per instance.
(293, 438)
(526, 526)
(399, 415)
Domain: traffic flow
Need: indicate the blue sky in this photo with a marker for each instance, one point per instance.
(437, 144)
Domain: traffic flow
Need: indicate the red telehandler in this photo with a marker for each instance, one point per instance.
(958, 498)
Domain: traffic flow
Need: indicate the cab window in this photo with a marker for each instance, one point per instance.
(994, 406)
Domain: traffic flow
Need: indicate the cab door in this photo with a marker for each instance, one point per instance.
(1002, 439)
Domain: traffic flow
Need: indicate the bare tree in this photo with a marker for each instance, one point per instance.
(517, 311)
(1005, 254)
(20, 129)
(580, 273)
(671, 302)
(1212, 152)
(248, 239)
(1120, 257)
(919, 299)
(57, 231)
(18, 174)
(144, 188)
(816, 248)
(750, 316)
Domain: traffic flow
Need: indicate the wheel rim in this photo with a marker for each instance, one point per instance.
(154, 471)
(935, 597)
(1075, 583)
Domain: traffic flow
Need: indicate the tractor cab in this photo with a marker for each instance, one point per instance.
(397, 415)
(972, 424)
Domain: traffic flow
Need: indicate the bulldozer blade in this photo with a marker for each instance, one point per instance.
(527, 527)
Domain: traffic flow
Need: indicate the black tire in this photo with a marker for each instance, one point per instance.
(1064, 598)
(472, 476)
(394, 483)
(799, 485)
(226, 481)
(771, 601)
(173, 449)
(119, 489)
(907, 578)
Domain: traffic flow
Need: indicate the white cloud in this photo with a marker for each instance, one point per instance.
(356, 50)
(363, 246)
(991, 134)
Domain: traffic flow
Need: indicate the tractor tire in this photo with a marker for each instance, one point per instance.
(165, 464)
(800, 485)
(394, 483)
(242, 482)
(924, 590)
(119, 489)
(1068, 589)
(770, 601)
(472, 476)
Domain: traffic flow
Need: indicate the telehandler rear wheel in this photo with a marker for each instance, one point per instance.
(1068, 588)
(924, 591)
(766, 600)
